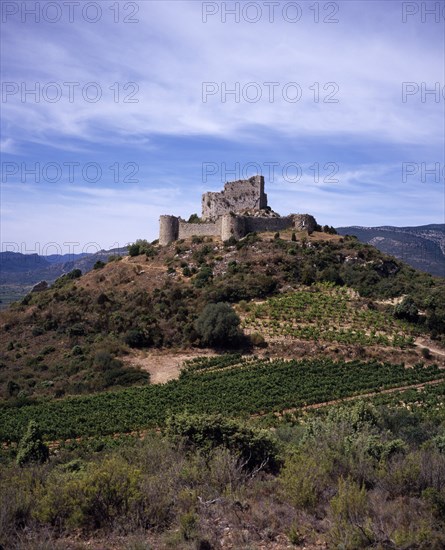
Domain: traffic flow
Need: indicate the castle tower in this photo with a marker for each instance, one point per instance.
(168, 229)
(237, 196)
(232, 226)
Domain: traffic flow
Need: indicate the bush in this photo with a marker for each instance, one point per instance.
(254, 448)
(37, 331)
(102, 299)
(99, 264)
(141, 246)
(139, 338)
(64, 279)
(258, 340)
(218, 325)
(92, 498)
(203, 277)
(349, 517)
(31, 447)
(114, 258)
(407, 309)
(303, 479)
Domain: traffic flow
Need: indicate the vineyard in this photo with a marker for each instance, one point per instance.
(229, 385)
(327, 312)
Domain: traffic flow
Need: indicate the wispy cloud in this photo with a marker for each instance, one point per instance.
(361, 61)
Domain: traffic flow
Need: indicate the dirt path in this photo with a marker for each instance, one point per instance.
(354, 397)
(422, 343)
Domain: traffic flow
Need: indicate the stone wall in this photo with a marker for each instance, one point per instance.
(268, 224)
(237, 196)
(304, 222)
(231, 225)
(187, 230)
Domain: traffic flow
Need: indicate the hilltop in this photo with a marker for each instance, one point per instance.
(91, 332)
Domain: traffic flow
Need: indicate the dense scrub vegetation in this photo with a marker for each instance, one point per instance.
(352, 476)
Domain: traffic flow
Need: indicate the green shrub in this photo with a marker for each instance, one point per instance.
(114, 258)
(141, 246)
(203, 277)
(348, 512)
(90, 498)
(188, 524)
(255, 448)
(258, 340)
(194, 218)
(303, 479)
(407, 309)
(31, 447)
(143, 337)
(99, 264)
(218, 325)
(68, 277)
(77, 329)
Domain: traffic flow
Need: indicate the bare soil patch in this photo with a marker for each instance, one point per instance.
(164, 366)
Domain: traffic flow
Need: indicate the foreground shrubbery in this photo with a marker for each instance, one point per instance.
(355, 478)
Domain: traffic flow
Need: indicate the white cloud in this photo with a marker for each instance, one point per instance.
(170, 53)
(8, 146)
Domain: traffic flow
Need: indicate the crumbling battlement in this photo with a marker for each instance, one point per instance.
(237, 196)
(239, 209)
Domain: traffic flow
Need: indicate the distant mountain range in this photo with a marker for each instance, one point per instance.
(422, 247)
(29, 269)
(20, 272)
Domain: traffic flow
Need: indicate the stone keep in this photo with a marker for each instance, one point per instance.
(239, 209)
(237, 196)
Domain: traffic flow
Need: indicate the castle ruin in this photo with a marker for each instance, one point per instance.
(239, 209)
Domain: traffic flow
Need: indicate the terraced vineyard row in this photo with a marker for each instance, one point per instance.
(326, 312)
(258, 386)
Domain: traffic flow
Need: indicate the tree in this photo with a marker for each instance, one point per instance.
(194, 218)
(141, 246)
(31, 447)
(218, 325)
(407, 309)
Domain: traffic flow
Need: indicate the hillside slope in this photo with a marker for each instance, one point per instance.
(422, 247)
(20, 272)
(97, 331)
(321, 426)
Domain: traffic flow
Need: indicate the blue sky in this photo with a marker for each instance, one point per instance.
(152, 143)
